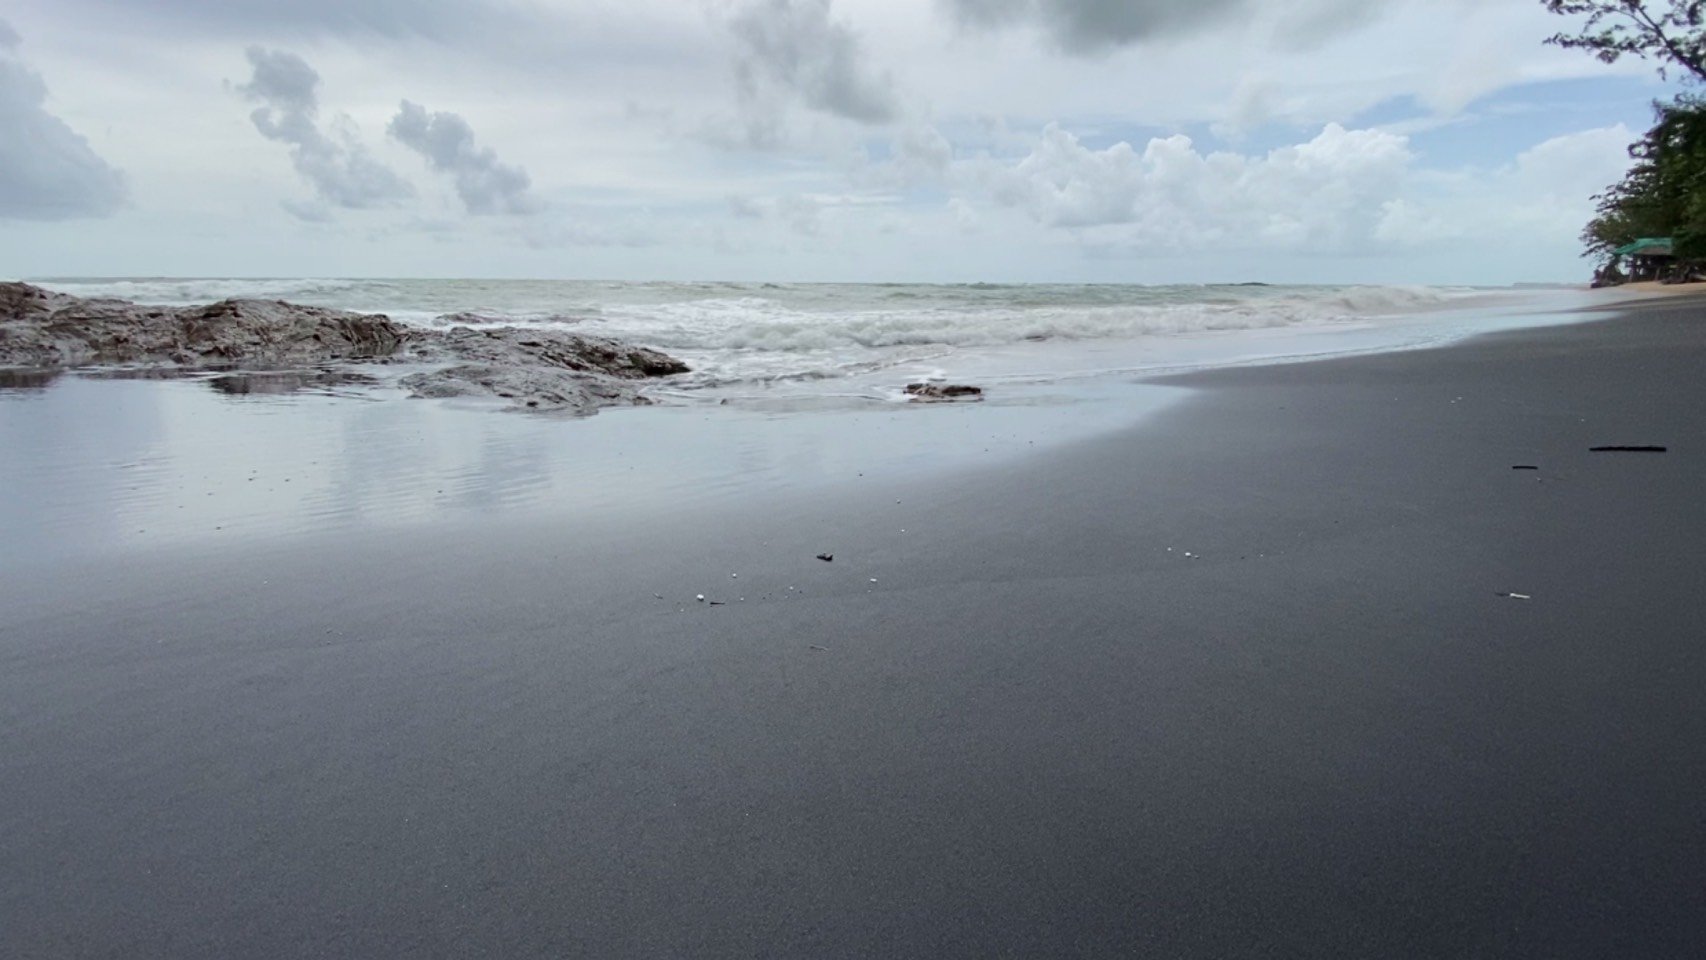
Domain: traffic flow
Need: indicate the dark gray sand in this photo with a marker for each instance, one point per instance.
(1244, 681)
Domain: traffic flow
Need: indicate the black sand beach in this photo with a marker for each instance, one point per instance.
(1245, 680)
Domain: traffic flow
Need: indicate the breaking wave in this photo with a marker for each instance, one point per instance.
(187, 291)
(752, 325)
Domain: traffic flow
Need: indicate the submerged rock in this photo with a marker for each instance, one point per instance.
(539, 370)
(942, 392)
(508, 346)
(531, 368)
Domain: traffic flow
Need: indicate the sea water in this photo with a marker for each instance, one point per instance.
(808, 342)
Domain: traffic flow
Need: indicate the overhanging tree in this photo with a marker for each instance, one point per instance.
(1669, 33)
(1664, 193)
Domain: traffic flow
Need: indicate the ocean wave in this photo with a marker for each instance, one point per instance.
(863, 335)
(474, 318)
(190, 291)
(749, 324)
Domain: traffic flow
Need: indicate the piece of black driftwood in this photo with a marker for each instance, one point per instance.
(1524, 466)
(1628, 449)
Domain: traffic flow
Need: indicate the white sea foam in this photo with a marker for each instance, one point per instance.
(740, 326)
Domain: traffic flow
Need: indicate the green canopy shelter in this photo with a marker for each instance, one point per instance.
(1646, 247)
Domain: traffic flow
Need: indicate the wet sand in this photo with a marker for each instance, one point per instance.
(1241, 681)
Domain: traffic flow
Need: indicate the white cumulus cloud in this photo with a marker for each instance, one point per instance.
(1326, 194)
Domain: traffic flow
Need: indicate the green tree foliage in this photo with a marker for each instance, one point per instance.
(1664, 193)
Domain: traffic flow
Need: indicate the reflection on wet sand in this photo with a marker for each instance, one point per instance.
(236, 383)
(140, 373)
(102, 466)
(27, 379)
(228, 381)
(278, 382)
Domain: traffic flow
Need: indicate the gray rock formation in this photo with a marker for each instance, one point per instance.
(541, 370)
(39, 328)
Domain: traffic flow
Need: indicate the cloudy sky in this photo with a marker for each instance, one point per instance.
(1410, 141)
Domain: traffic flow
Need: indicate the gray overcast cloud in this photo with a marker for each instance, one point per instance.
(1087, 26)
(447, 142)
(47, 171)
(797, 46)
(339, 170)
(1096, 24)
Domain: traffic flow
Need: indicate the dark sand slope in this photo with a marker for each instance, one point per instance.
(1040, 733)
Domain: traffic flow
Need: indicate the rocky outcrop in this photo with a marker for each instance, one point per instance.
(39, 328)
(529, 368)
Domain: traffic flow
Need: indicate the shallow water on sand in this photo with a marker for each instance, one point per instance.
(116, 466)
(104, 463)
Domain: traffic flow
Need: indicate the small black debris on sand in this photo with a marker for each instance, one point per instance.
(942, 392)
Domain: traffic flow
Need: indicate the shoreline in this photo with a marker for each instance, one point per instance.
(807, 344)
(1235, 680)
(262, 465)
